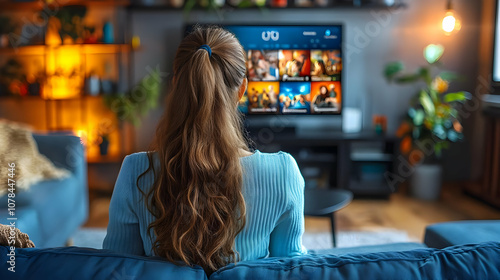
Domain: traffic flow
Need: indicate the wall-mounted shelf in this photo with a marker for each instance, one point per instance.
(35, 97)
(41, 5)
(57, 76)
(85, 49)
(269, 7)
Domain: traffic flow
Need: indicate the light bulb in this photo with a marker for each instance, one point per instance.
(451, 23)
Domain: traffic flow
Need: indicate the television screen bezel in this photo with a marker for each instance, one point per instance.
(189, 26)
(495, 84)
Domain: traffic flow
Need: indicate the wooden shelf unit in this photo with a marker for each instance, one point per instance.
(74, 109)
(39, 5)
(333, 6)
(85, 49)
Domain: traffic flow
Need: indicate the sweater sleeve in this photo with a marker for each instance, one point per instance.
(123, 234)
(286, 238)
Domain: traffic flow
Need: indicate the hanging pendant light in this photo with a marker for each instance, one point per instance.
(451, 23)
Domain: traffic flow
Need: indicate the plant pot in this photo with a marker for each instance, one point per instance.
(425, 183)
(103, 147)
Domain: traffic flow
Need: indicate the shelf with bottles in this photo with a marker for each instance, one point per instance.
(54, 4)
(62, 75)
(67, 25)
(97, 48)
(263, 4)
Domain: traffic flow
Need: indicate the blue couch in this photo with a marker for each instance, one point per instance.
(475, 261)
(51, 211)
(391, 261)
(447, 234)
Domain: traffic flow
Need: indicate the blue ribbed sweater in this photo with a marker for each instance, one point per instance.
(273, 189)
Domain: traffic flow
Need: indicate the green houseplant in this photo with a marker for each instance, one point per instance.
(133, 105)
(432, 121)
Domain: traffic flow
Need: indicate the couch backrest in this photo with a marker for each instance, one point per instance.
(84, 263)
(479, 261)
(64, 151)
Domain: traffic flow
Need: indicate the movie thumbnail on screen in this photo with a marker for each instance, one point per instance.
(294, 65)
(262, 65)
(294, 97)
(326, 97)
(326, 65)
(261, 98)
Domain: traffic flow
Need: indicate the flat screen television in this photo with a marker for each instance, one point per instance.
(291, 69)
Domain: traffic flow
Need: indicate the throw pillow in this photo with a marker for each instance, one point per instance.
(18, 146)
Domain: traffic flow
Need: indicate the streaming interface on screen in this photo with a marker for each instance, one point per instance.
(292, 69)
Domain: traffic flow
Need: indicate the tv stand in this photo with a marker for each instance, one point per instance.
(267, 131)
(358, 162)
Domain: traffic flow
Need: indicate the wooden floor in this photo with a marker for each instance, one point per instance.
(399, 212)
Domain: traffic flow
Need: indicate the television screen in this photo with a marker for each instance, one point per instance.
(292, 69)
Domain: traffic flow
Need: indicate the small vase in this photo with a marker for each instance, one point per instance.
(108, 36)
(92, 85)
(425, 182)
(103, 147)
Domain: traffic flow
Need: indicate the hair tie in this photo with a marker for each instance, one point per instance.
(207, 48)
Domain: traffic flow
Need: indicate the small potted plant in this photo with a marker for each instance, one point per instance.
(432, 121)
(104, 129)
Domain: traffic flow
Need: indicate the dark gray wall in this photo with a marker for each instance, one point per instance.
(372, 38)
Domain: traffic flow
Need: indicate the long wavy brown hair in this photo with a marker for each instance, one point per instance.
(197, 193)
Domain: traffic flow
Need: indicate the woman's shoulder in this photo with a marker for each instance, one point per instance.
(278, 160)
(280, 155)
(135, 158)
(279, 166)
(137, 162)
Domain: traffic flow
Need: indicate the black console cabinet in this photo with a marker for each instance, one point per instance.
(359, 162)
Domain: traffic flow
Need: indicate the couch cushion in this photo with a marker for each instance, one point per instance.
(27, 222)
(59, 206)
(462, 232)
(84, 263)
(479, 261)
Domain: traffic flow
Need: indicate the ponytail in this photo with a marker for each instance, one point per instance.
(197, 196)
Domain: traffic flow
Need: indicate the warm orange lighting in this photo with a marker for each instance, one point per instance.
(64, 72)
(451, 23)
(83, 136)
